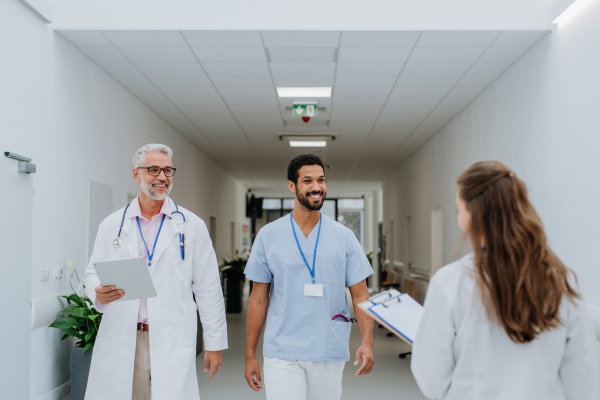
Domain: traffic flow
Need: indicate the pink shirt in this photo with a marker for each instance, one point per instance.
(149, 231)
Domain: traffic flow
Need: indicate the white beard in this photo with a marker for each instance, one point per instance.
(147, 189)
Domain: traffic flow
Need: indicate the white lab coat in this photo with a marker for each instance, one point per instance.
(460, 354)
(171, 314)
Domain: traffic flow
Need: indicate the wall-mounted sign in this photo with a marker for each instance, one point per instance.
(245, 235)
(305, 110)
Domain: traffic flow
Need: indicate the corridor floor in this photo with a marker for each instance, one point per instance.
(390, 377)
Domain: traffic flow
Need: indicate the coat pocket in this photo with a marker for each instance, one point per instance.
(337, 340)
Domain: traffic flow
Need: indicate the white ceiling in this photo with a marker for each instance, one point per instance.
(392, 91)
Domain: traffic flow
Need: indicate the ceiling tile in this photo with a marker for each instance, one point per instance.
(457, 38)
(240, 100)
(144, 91)
(295, 69)
(230, 54)
(119, 68)
(365, 80)
(200, 91)
(103, 54)
(456, 99)
(180, 80)
(170, 68)
(421, 91)
(247, 91)
(242, 81)
(363, 54)
(153, 38)
(304, 81)
(223, 38)
(86, 38)
(158, 54)
(408, 108)
(155, 100)
(368, 68)
(416, 100)
(301, 55)
(494, 69)
(379, 39)
(414, 68)
(476, 80)
(455, 109)
(236, 68)
(502, 54)
(197, 100)
(213, 111)
(301, 39)
(362, 91)
(359, 100)
(133, 80)
(446, 54)
(435, 80)
(519, 38)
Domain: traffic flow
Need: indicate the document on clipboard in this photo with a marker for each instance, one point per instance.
(398, 312)
(130, 274)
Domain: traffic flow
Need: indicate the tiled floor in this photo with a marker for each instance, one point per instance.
(391, 377)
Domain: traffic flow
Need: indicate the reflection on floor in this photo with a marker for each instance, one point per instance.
(390, 377)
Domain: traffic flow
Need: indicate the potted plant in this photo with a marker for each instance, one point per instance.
(233, 274)
(81, 321)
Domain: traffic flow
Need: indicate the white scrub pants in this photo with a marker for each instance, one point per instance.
(303, 380)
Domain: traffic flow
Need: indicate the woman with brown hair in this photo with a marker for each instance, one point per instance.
(506, 321)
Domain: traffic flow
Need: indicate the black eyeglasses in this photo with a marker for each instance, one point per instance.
(155, 171)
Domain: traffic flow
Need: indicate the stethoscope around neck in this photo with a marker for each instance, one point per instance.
(118, 241)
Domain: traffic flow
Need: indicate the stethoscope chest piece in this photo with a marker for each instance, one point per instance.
(117, 242)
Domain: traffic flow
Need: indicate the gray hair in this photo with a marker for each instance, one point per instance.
(139, 158)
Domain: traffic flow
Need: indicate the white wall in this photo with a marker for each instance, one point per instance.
(541, 118)
(304, 15)
(77, 123)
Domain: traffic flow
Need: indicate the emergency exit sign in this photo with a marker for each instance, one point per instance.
(305, 110)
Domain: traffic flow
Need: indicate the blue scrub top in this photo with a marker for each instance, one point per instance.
(300, 327)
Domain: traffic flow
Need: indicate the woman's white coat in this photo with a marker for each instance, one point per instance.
(171, 315)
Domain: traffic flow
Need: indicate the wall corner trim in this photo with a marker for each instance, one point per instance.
(40, 8)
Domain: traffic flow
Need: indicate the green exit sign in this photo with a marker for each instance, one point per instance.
(305, 110)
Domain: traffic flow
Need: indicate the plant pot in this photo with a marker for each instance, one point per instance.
(80, 370)
(234, 292)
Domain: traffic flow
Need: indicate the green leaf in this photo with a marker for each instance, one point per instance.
(76, 299)
(66, 335)
(88, 346)
(77, 311)
(65, 322)
(88, 336)
(94, 316)
(70, 332)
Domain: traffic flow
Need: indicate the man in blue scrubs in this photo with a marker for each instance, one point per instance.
(300, 266)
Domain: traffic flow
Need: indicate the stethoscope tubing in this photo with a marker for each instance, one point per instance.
(117, 242)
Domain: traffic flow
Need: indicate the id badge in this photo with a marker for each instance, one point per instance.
(313, 289)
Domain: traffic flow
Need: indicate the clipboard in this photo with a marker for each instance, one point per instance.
(398, 312)
(129, 274)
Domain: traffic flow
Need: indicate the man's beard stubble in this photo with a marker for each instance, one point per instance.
(303, 200)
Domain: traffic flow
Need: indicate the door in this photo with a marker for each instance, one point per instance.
(15, 264)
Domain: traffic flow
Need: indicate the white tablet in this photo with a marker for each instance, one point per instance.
(130, 274)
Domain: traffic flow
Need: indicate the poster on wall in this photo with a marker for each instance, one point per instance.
(245, 235)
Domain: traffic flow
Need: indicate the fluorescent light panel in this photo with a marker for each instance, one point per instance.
(315, 143)
(304, 91)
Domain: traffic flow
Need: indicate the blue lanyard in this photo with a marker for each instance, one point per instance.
(312, 271)
(155, 240)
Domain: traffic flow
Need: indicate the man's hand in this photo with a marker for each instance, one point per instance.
(252, 371)
(366, 353)
(212, 361)
(108, 294)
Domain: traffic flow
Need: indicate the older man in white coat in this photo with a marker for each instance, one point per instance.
(146, 349)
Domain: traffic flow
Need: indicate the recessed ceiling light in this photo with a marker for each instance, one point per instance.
(306, 143)
(304, 91)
